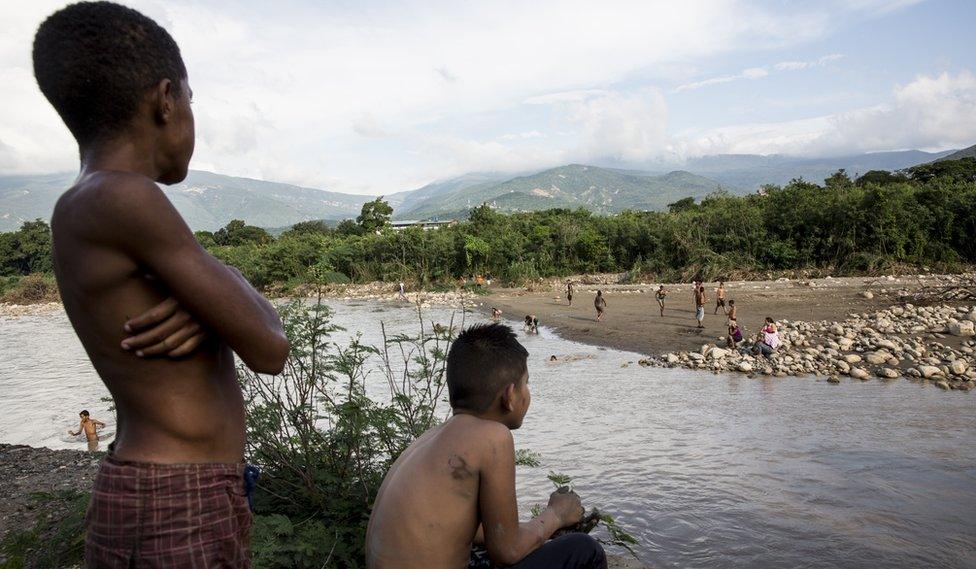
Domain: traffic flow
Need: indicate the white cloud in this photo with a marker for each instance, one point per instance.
(355, 97)
(759, 72)
(930, 112)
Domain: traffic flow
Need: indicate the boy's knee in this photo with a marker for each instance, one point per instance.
(587, 552)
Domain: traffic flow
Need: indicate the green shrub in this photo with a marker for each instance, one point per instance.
(323, 444)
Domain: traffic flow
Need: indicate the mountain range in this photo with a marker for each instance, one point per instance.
(209, 201)
(206, 201)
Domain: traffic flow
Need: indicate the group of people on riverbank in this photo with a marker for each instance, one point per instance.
(765, 343)
(174, 490)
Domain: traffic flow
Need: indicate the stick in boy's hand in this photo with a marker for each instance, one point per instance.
(165, 329)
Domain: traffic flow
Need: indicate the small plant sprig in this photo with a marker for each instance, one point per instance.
(617, 535)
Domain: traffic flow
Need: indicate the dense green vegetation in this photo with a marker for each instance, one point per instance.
(925, 216)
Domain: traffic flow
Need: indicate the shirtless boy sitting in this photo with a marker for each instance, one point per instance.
(90, 427)
(455, 485)
(171, 491)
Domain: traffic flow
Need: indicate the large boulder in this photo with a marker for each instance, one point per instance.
(718, 353)
(963, 328)
(929, 372)
(859, 373)
(958, 367)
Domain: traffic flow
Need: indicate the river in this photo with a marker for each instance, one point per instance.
(705, 470)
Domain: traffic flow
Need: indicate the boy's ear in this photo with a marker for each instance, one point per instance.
(163, 101)
(508, 398)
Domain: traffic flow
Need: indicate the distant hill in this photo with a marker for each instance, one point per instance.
(411, 199)
(601, 190)
(206, 201)
(751, 171)
(964, 153)
(209, 201)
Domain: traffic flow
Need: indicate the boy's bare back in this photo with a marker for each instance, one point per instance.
(118, 250)
(437, 480)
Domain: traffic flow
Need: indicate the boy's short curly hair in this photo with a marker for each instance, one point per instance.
(94, 61)
(483, 360)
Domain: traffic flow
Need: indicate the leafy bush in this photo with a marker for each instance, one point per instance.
(30, 289)
(324, 445)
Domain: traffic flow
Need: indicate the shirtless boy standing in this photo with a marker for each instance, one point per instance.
(455, 485)
(170, 492)
(720, 297)
(90, 427)
(700, 301)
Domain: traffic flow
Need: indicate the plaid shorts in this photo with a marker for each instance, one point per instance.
(161, 515)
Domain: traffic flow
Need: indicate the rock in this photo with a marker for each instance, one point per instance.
(958, 367)
(642, 363)
(929, 371)
(888, 373)
(877, 357)
(852, 358)
(837, 330)
(842, 366)
(696, 356)
(833, 379)
(963, 328)
(942, 385)
(859, 373)
(718, 353)
(671, 358)
(867, 294)
(745, 367)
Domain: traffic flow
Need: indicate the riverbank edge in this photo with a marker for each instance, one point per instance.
(36, 495)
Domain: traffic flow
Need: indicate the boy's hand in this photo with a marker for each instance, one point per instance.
(567, 505)
(165, 329)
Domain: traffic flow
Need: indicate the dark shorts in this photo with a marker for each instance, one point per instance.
(159, 516)
(569, 551)
(720, 302)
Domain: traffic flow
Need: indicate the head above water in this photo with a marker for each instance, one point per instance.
(84, 414)
(487, 374)
(769, 320)
(114, 75)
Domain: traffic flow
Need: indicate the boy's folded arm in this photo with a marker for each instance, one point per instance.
(150, 229)
(507, 540)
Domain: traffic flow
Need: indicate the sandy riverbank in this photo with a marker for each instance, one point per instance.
(633, 323)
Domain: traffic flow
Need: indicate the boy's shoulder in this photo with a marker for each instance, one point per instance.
(478, 432)
(107, 196)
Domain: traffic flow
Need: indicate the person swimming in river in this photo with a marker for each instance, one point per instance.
(496, 314)
(90, 427)
(449, 500)
(531, 324)
(600, 303)
(160, 318)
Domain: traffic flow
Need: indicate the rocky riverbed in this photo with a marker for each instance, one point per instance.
(925, 343)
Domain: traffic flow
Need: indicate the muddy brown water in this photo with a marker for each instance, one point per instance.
(705, 470)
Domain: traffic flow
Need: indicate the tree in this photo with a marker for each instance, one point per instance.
(375, 215)
(880, 178)
(27, 250)
(685, 204)
(316, 226)
(239, 233)
(348, 227)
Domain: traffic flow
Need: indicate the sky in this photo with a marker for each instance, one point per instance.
(377, 97)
